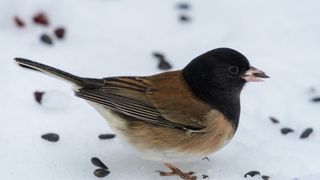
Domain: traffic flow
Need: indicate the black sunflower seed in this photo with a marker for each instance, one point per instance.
(264, 177)
(274, 120)
(52, 137)
(46, 39)
(184, 18)
(107, 136)
(206, 158)
(286, 130)
(100, 173)
(97, 162)
(315, 99)
(204, 176)
(306, 133)
(183, 5)
(158, 55)
(252, 173)
(163, 63)
(38, 96)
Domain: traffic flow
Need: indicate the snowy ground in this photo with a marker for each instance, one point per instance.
(117, 37)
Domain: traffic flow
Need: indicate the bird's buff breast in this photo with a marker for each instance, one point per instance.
(159, 143)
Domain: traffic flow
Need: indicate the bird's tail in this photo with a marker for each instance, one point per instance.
(77, 81)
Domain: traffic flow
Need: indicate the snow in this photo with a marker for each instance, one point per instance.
(117, 37)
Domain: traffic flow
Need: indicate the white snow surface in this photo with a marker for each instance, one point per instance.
(117, 37)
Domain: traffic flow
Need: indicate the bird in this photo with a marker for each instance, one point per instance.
(174, 115)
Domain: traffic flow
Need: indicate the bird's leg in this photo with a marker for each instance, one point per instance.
(177, 172)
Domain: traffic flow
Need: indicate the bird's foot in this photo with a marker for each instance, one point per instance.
(178, 172)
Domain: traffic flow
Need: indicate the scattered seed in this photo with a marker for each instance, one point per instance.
(163, 63)
(100, 173)
(97, 162)
(38, 96)
(183, 5)
(60, 32)
(52, 137)
(206, 158)
(46, 39)
(204, 176)
(252, 173)
(264, 177)
(286, 130)
(306, 133)
(18, 22)
(41, 19)
(184, 18)
(107, 136)
(315, 99)
(158, 55)
(274, 120)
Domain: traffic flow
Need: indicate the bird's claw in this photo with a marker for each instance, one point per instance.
(177, 172)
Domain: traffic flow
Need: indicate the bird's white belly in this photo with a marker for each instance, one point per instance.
(119, 126)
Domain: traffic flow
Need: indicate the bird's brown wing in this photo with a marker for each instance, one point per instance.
(161, 99)
(175, 101)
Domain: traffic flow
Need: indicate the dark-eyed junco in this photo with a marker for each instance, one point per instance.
(173, 115)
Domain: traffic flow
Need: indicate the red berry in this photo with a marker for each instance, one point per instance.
(60, 32)
(18, 22)
(41, 19)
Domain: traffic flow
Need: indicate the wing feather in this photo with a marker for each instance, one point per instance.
(131, 96)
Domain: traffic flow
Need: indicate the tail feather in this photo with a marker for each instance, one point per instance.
(75, 80)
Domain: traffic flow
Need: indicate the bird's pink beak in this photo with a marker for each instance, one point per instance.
(254, 75)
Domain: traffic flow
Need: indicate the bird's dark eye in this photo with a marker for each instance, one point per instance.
(233, 69)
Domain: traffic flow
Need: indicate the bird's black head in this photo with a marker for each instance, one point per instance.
(217, 78)
(221, 68)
